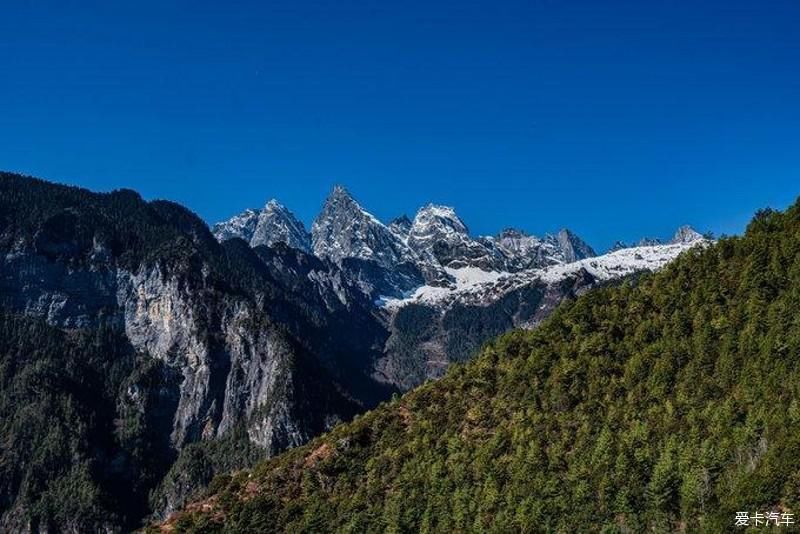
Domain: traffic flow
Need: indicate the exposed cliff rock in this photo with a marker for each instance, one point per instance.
(234, 345)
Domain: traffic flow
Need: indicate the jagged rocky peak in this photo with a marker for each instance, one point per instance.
(683, 236)
(272, 224)
(649, 242)
(573, 247)
(686, 234)
(437, 238)
(436, 227)
(512, 233)
(618, 245)
(242, 226)
(433, 221)
(522, 250)
(516, 241)
(277, 224)
(439, 235)
(401, 226)
(344, 229)
(525, 251)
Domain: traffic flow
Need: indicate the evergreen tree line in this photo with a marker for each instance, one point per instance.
(667, 403)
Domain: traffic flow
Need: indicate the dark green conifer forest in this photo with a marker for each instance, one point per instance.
(68, 442)
(667, 403)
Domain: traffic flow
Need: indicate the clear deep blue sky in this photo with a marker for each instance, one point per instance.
(616, 119)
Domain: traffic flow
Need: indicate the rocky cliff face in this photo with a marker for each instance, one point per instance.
(230, 361)
(236, 345)
(400, 227)
(572, 247)
(230, 356)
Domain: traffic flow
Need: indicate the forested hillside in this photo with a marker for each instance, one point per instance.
(69, 441)
(140, 356)
(668, 403)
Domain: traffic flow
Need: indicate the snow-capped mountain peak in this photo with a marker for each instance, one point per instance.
(437, 220)
(401, 226)
(242, 226)
(683, 235)
(272, 224)
(438, 235)
(435, 247)
(515, 242)
(343, 229)
(524, 251)
(478, 287)
(277, 224)
(340, 191)
(686, 234)
(573, 247)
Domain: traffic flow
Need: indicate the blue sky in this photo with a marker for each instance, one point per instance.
(617, 119)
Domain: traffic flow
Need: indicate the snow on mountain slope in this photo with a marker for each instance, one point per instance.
(344, 229)
(621, 262)
(242, 226)
(400, 227)
(439, 236)
(683, 235)
(390, 261)
(476, 286)
(273, 224)
(686, 234)
(523, 251)
(437, 222)
(277, 224)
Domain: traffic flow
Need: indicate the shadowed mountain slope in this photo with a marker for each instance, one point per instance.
(667, 403)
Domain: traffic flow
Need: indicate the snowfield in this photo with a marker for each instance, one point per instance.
(476, 286)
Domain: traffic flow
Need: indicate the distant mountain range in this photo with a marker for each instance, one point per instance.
(439, 291)
(191, 352)
(436, 240)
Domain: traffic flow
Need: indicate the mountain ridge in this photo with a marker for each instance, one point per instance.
(661, 404)
(435, 239)
(467, 289)
(227, 352)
